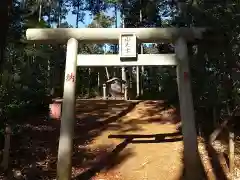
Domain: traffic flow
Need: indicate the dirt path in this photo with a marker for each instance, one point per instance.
(113, 140)
(145, 144)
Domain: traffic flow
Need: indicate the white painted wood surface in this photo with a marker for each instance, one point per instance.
(114, 60)
(64, 164)
(191, 157)
(111, 35)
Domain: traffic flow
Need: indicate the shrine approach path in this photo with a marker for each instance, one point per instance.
(113, 140)
(139, 142)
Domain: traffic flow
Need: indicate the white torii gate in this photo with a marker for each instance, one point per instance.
(178, 36)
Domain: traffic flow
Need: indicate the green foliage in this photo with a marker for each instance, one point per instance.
(32, 71)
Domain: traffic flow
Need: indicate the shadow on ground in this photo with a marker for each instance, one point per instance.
(110, 160)
(34, 146)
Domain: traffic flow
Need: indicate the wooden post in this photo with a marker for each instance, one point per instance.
(191, 157)
(138, 80)
(104, 92)
(5, 160)
(130, 77)
(98, 79)
(123, 77)
(142, 80)
(231, 152)
(64, 164)
(126, 93)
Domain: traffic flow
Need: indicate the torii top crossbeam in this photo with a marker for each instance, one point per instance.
(111, 35)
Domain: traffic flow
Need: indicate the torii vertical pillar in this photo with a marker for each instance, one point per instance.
(64, 164)
(191, 157)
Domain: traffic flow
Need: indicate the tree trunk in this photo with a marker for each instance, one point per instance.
(77, 18)
(59, 13)
(40, 12)
(4, 19)
(115, 11)
(123, 26)
(107, 73)
(141, 52)
(6, 151)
